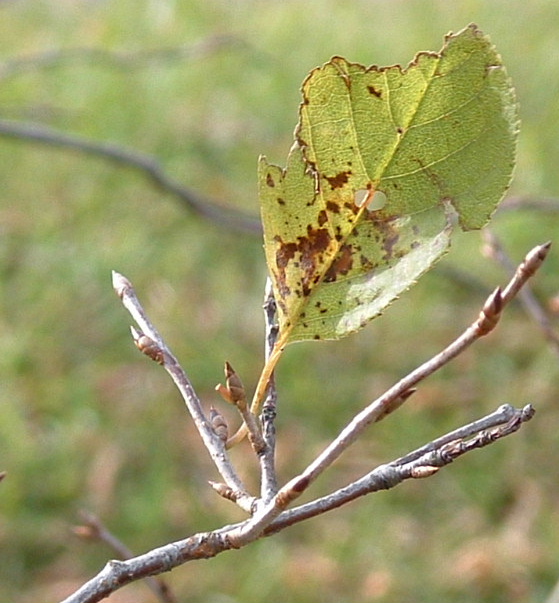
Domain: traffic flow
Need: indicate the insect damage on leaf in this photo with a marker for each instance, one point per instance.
(385, 161)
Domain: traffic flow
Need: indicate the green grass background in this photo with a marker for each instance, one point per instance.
(88, 423)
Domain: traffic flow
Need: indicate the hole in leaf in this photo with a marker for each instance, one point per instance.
(361, 197)
(378, 201)
(372, 200)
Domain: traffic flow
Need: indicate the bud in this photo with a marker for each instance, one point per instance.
(234, 385)
(234, 391)
(219, 425)
(424, 471)
(148, 346)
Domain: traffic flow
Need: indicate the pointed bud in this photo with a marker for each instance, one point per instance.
(120, 284)
(235, 385)
(424, 471)
(224, 393)
(225, 491)
(219, 425)
(491, 312)
(148, 346)
(86, 532)
(535, 259)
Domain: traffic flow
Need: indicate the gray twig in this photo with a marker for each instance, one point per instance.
(143, 163)
(485, 323)
(423, 462)
(269, 483)
(494, 249)
(94, 528)
(117, 574)
(271, 515)
(120, 59)
(150, 342)
(540, 204)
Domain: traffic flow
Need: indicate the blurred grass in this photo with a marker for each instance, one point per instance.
(86, 422)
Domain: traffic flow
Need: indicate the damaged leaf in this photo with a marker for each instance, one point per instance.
(386, 161)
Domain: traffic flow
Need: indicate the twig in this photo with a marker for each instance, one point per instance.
(117, 574)
(269, 482)
(121, 59)
(249, 504)
(541, 204)
(143, 163)
(486, 322)
(504, 414)
(415, 464)
(234, 393)
(150, 342)
(488, 318)
(272, 516)
(266, 451)
(94, 528)
(494, 249)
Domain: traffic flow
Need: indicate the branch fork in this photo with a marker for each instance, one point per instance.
(268, 511)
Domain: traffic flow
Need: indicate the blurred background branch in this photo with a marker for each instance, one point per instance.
(115, 59)
(94, 529)
(144, 163)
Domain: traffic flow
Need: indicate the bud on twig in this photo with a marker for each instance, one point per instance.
(86, 532)
(424, 471)
(219, 425)
(121, 284)
(491, 312)
(234, 390)
(148, 346)
(224, 490)
(396, 403)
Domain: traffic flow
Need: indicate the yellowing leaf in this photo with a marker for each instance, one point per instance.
(385, 162)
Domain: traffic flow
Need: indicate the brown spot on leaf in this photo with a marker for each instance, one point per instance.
(365, 262)
(374, 91)
(311, 249)
(333, 207)
(280, 201)
(306, 254)
(322, 218)
(270, 181)
(341, 265)
(318, 239)
(338, 180)
(285, 252)
(353, 208)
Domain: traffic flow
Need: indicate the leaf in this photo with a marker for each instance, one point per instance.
(386, 161)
